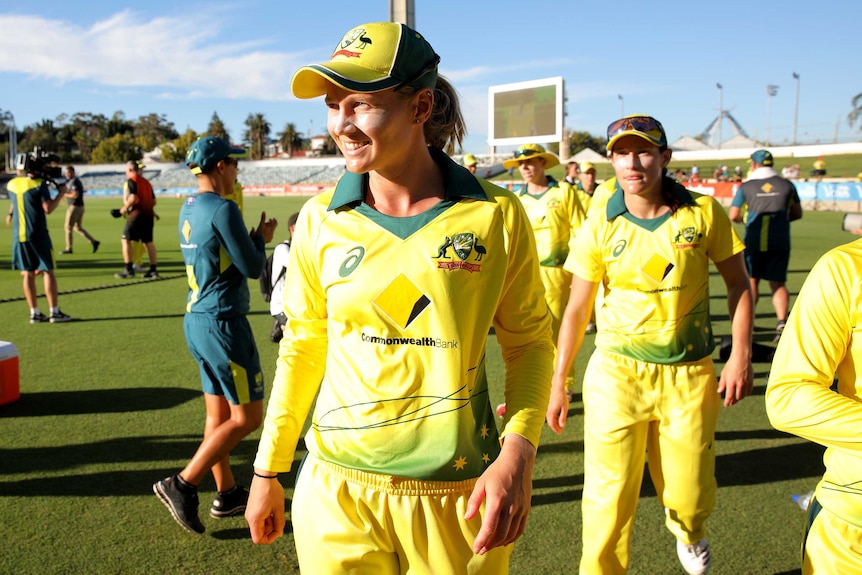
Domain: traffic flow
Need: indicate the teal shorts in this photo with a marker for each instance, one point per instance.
(227, 355)
(33, 255)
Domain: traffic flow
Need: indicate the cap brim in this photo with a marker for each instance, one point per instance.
(236, 152)
(311, 81)
(641, 135)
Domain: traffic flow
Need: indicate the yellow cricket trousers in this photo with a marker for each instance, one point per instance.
(350, 521)
(631, 407)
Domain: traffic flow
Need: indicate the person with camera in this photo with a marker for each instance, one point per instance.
(32, 250)
(75, 211)
(139, 207)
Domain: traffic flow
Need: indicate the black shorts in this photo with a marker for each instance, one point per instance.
(770, 266)
(139, 228)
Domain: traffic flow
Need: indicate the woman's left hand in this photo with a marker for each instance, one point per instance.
(737, 379)
(506, 487)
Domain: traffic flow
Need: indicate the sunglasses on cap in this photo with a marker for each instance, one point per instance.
(526, 153)
(646, 125)
(430, 65)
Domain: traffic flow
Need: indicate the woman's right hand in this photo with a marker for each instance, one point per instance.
(265, 510)
(558, 406)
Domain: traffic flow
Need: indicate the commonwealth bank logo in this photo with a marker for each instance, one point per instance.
(657, 268)
(402, 301)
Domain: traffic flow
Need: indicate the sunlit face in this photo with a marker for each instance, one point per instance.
(69, 174)
(533, 170)
(588, 180)
(472, 168)
(371, 130)
(571, 171)
(638, 165)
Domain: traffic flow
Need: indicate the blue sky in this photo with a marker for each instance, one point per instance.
(188, 60)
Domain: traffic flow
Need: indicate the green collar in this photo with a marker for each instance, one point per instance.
(460, 184)
(552, 183)
(617, 203)
(350, 189)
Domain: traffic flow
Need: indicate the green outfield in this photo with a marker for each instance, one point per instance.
(111, 402)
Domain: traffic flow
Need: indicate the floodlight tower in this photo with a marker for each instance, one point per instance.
(402, 11)
(795, 107)
(771, 90)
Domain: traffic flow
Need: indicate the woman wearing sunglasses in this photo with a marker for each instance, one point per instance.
(651, 383)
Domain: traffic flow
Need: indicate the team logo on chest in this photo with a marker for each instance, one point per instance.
(463, 245)
(687, 238)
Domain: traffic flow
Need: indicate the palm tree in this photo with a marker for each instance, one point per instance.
(856, 113)
(216, 128)
(290, 139)
(257, 134)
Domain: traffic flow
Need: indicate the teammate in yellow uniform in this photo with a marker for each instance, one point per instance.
(651, 383)
(820, 341)
(601, 195)
(556, 215)
(586, 184)
(399, 275)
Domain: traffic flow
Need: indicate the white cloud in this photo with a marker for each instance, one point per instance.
(124, 51)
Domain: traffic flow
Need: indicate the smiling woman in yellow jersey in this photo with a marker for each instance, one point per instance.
(400, 271)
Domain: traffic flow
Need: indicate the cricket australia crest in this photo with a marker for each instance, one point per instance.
(463, 244)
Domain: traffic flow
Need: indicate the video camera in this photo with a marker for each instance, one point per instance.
(39, 164)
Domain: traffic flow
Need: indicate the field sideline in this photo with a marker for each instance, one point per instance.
(111, 403)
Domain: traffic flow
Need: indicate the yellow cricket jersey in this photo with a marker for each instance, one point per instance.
(389, 319)
(601, 195)
(655, 276)
(585, 199)
(821, 340)
(555, 216)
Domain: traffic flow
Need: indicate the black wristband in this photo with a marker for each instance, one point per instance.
(256, 474)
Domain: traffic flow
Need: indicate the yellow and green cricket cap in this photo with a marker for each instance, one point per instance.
(644, 127)
(587, 166)
(470, 160)
(529, 151)
(371, 58)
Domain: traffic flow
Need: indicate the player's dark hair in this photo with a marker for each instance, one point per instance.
(668, 191)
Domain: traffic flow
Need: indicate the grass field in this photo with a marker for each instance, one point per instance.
(111, 403)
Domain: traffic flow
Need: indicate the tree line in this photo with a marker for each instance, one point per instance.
(87, 138)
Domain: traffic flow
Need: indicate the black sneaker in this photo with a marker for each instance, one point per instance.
(59, 317)
(780, 327)
(152, 274)
(125, 274)
(183, 506)
(38, 318)
(65, 252)
(231, 502)
(96, 244)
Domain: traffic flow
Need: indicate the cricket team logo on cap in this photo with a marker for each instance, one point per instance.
(355, 37)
